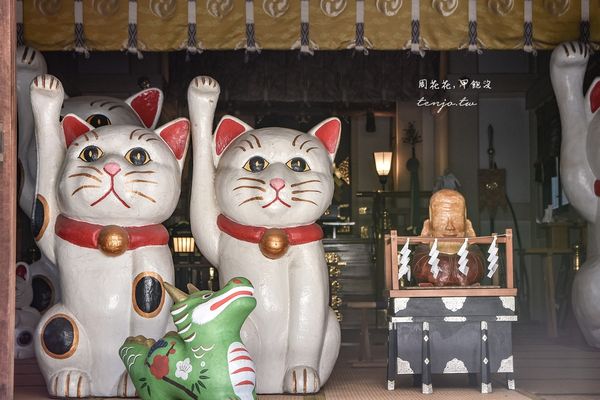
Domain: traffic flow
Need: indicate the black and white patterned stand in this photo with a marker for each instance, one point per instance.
(451, 335)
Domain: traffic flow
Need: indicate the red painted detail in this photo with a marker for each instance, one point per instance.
(597, 188)
(73, 127)
(253, 234)
(22, 271)
(242, 383)
(238, 349)
(111, 190)
(244, 369)
(595, 97)
(176, 135)
(277, 198)
(145, 104)
(329, 134)
(227, 131)
(160, 366)
(231, 296)
(84, 234)
(172, 351)
(241, 358)
(236, 280)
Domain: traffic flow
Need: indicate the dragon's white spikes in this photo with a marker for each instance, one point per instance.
(493, 257)
(433, 259)
(462, 261)
(403, 259)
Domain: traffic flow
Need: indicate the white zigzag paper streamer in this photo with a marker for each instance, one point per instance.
(433, 259)
(404, 258)
(493, 257)
(462, 261)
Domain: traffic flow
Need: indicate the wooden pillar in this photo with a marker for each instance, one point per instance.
(8, 195)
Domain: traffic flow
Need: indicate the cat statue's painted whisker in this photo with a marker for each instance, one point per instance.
(269, 236)
(107, 241)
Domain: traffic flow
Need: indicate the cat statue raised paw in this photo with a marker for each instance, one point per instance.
(580, 171)
(102, 194)
(26, 317)
(256, 195)
(206, 358)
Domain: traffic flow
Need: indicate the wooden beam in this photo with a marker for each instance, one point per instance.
(481, 291)
(8, 195)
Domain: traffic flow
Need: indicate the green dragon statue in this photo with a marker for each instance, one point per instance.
(206, 359)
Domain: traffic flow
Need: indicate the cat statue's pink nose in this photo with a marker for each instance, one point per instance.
(112, 168)
(277, 183)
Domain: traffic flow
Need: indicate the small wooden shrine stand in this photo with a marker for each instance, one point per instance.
(449, 330)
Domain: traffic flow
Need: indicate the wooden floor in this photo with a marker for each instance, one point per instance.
(560, 369)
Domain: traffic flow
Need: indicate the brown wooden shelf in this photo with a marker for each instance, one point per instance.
(452, 292)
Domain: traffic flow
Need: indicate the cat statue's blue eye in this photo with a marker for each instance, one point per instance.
(298, 164)
(138, 156)
(98, 120)
(256, 164)
(91, 154)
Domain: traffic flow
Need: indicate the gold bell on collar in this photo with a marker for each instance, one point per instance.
(113, 240)
(274, 243)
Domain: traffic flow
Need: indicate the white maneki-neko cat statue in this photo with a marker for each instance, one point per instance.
(580, 171)
(256, 195)
(141, 109)
(102, 194)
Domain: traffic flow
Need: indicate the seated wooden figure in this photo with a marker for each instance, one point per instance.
(447, 218)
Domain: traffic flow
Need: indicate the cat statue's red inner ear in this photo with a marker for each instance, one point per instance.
(22, 271)
(229, 128)
(176, 135)
(329, 134)
(146, 105)
(595, 97)
(73, 127)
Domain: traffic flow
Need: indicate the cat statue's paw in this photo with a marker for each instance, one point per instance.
(205, 85)
(301, 380)
(47, 85)
(126, 387)
(571, 53)
(69, 383)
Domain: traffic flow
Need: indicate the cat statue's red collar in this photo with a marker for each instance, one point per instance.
(273, 242)
(112, 240)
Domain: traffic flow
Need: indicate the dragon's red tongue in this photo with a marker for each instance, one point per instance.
(231, 296)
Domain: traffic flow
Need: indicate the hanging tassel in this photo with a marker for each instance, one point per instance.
(192, 46)
(462, 261)
(80, 46)
(473, 44)
(493, 257)
(433, 259)
(584, 25)
(250, 44)
(528, 28)
(416, 44)
(403, 259)
(20, 27)
(132, 41)
(306, 46)
(360, 43)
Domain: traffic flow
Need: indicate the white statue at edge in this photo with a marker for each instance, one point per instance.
(112, 288)
(580, 171)
(268, 178)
